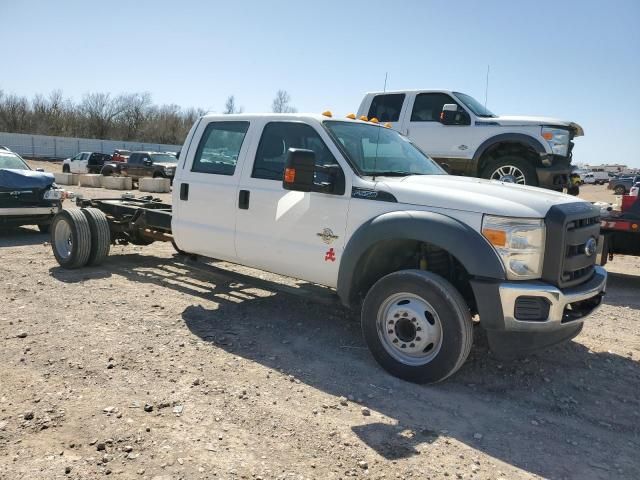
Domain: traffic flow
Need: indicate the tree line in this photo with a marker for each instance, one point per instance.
(129, 117)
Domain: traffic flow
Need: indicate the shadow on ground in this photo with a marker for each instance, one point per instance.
(567, 412)
(21, 237)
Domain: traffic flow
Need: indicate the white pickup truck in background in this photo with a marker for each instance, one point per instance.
(457, 130)
(356, 207)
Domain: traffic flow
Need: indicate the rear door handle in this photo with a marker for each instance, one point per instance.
(243, 199)
(184, 191)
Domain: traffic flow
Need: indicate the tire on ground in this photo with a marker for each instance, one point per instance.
(66, 169)
(100, 235)
(446, 301)
(529, 171)
(620, 190)
(75, 224)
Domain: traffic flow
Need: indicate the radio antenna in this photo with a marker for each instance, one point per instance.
(375, 159)
(486, 88)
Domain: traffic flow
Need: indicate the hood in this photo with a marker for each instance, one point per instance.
(527, 120)
(11, 179)
(168, 165)
(473, 195)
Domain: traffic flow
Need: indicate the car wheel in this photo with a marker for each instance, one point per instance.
(100, 235)
(417, 326)
(71, 238)
(65, 169)
(44, 227)
(511, 169)
(620, 190)
(573, 190)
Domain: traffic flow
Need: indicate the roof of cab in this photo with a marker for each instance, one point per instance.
(419, 90)
(317, 117)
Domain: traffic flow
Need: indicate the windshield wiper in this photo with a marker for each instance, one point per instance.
(390, 173)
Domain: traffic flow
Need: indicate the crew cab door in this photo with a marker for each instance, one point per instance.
(78, 163)
(388, 108)
(206, 190)
(299, 234)
(448, 144)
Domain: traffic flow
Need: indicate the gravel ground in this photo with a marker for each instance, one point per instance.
(154, 367)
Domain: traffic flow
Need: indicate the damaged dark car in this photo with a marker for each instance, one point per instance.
(27, 197)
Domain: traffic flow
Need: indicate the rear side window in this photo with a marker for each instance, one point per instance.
(277, 139)
(428, 106)
(219, 148)
(386, 108)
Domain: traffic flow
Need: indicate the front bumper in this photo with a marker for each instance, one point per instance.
(555, 176)
(17, 216)
(565, 307)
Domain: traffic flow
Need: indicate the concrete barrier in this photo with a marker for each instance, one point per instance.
(66, 178)
(91, 180)
(156, 185)
(117, 183)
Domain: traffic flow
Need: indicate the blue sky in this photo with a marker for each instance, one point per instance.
(578, 60)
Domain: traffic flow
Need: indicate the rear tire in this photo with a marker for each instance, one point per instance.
(65, 169)
(417, 326)
(100, 235)
(71, 238)
(620, 190)
(511, 169)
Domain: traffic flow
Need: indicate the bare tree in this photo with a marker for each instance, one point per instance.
(134, 108)
(100, 111)
(281, 103)
(230, 106)
(14, 113)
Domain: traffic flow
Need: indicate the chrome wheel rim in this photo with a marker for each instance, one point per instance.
(63, 239)
(509, 174)
(409, 329)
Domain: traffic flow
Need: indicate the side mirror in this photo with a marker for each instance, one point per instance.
(452, 115)
(39, 169)
(147, 162)
(299, 170)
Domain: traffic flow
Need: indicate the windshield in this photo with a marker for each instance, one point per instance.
(475, 106)
(163, 158)
(11, 160)
(375, 150)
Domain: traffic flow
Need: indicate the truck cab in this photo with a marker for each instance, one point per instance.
(461, 133)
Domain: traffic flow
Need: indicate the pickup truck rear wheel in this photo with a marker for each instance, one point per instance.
(620, 190)
(511, 169)
(71, 238)
(100, 235)
(65, 169)
(417, 326)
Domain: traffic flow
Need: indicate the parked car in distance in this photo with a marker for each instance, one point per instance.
(457, 130)
(149, 164)
(85, 162)
(588, 178)
(120, 155)
(622, 185)
(27, 197)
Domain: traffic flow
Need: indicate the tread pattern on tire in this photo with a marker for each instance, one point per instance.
(100, 235)
(81, 235)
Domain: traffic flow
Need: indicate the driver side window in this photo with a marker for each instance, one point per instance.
(219, 148)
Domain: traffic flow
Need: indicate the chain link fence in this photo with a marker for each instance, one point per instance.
(43, 146)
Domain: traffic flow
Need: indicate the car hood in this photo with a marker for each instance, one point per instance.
(11, 179)
(527, 120)
(473, 195)
(168, 165)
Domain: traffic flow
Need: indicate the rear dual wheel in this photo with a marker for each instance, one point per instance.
(80, 237)
(417, 326)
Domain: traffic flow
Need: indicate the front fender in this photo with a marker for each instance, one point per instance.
(465, 244)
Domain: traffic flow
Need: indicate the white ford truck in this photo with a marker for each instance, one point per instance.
(457, 130)
(356, 207)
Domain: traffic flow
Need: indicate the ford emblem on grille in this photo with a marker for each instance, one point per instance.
(590, 247)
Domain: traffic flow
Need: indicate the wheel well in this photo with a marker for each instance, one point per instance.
(390, 256)
(508, 148)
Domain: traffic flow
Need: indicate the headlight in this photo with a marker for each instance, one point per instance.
(558, 140)
(519, 242)
(54, 194)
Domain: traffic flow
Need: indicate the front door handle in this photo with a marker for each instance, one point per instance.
(243, 199)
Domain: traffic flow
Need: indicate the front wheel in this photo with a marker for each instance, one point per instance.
(417, 326)
(511, 169)
(66, 169)
(620, 190)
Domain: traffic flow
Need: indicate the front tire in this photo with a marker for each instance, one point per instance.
(620, 190)
(71, 238)
(511, 169)
(417, 326)
(66, 169)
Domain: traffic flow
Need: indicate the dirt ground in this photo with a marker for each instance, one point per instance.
(154, 367)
